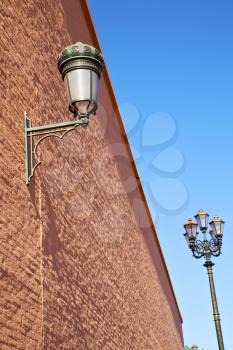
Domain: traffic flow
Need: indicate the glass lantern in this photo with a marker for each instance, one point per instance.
(202, 218)
(80, 66)
(217, 226)
(191, 231)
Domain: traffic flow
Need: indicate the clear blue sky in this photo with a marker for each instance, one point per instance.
(171, 66)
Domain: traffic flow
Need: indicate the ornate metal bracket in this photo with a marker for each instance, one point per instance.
(34, 135)
(206, 248)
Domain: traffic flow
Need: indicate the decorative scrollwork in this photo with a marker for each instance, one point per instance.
(43, 132)
(206, 248)
(199, 247)
(215, 247)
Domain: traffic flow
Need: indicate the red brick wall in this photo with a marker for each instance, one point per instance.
(80, 266)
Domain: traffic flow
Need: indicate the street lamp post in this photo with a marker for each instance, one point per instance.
(207, 248)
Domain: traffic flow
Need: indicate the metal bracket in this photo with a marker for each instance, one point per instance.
(206, 248)
(41, 132)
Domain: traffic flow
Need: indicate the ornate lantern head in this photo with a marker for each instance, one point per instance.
(191, 231)
(80, 66)
(217, 226)
(194, 347)
(202, 218)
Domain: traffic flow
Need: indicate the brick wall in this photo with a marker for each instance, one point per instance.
(80, 266)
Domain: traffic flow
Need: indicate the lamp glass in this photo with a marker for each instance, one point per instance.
(217, 226)
(186, 236)
(82, 106)
(191, 229)
(202, 218)
(82, 90)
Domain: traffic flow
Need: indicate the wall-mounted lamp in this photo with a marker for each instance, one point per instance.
(80, 66)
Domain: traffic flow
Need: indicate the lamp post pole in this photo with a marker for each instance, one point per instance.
(209, 264)
(207, 248)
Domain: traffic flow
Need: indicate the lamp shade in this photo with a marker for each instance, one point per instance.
(80, 66)
(217, 226)
(191, 230)
(194, 347)
(202, 218)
